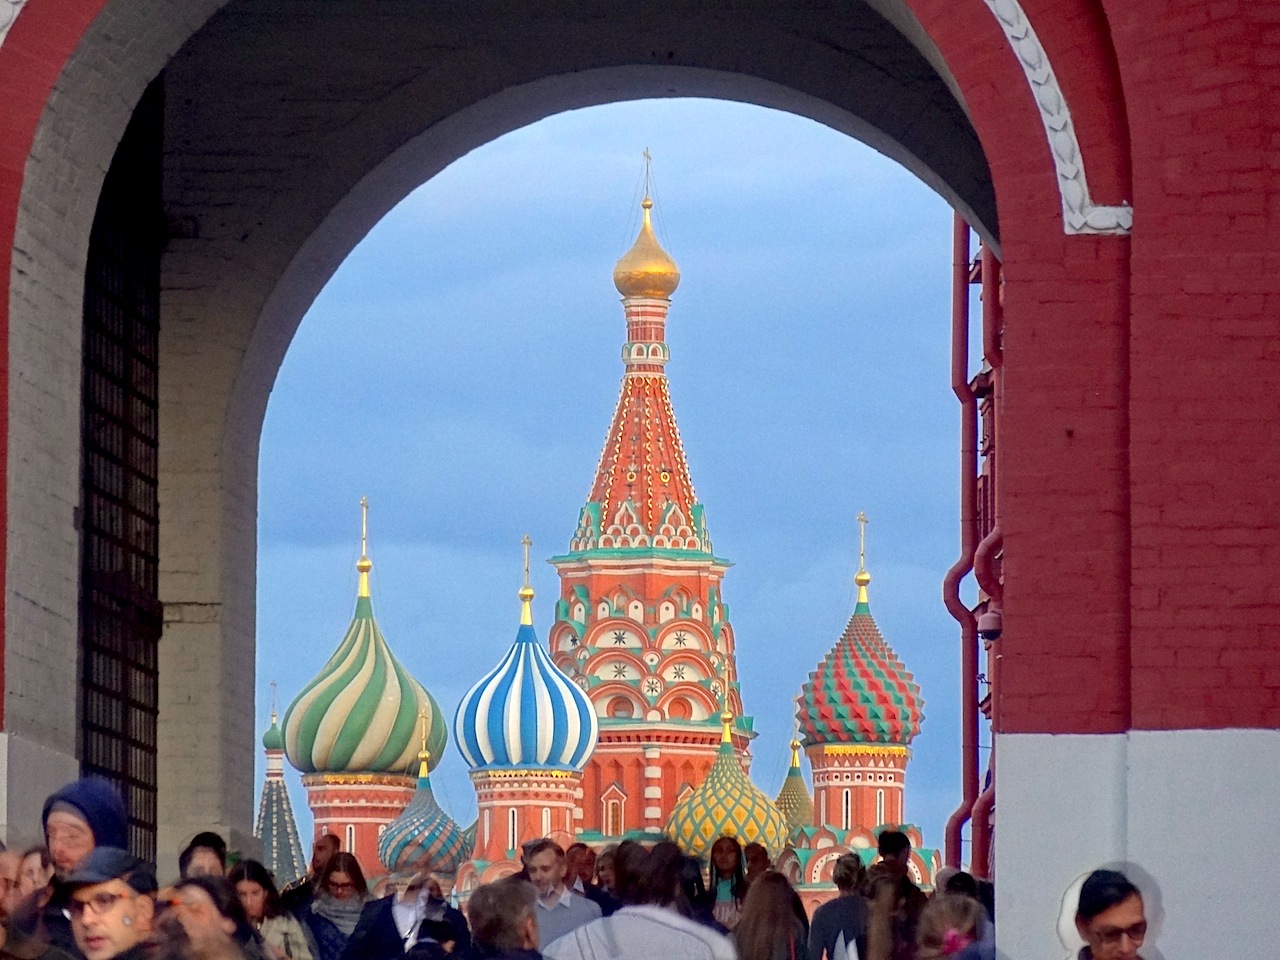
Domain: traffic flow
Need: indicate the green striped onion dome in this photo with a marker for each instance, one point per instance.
(861, 692)
(726, 804)
(361, 712)
(793, 799)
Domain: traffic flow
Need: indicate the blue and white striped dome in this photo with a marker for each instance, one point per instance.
(526, 714)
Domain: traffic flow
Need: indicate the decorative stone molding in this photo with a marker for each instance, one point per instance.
(1080, 215)
(9, 10)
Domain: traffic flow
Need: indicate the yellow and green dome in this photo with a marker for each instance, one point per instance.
(361, 712)
(727, 804)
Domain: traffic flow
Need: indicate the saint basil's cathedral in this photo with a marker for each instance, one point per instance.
(630, 723)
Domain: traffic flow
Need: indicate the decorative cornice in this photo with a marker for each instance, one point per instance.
(9, 10)
(1080, 215)
(354, 779)
(857, 749)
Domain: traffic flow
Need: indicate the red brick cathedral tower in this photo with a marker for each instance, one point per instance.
(640, 624)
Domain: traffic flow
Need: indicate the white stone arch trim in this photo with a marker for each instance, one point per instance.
(1080, 215)
(9, 10)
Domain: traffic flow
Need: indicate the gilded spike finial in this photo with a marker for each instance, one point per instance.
(862, 578)
(526, 592)
(726, 715)
(646, 270)
(795, 733)
(364, 564)
(424, 755)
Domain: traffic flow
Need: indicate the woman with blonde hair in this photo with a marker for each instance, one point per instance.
(951, 928)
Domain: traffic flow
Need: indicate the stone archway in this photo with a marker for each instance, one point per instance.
(290, 132)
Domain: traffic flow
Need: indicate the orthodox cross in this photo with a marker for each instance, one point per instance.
(526, 543)
(862, 539)
(364, 526)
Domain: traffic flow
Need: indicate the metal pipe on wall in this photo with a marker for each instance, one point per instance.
(968, 541)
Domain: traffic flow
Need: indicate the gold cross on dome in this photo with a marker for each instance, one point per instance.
(364, 526)
(526, 543)
(862, 539)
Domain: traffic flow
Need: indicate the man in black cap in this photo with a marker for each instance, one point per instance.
(110, 900)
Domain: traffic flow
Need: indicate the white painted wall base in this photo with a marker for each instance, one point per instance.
(1188, 815)
(29, 772)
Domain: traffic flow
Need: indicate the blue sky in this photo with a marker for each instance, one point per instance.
(461, 367)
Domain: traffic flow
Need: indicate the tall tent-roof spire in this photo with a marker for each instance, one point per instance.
(276, 826)
(359, 713)
(642, 496)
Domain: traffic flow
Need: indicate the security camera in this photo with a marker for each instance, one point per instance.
(990, 625)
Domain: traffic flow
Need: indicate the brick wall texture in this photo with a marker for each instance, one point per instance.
(1140, 449)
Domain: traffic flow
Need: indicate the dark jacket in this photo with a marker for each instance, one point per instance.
(602, 898)
(485, 954)
(377, 938)
(845, 916)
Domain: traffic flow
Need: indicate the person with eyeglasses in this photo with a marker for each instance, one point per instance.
(1111, 917)
(332, 915)
(110, 903)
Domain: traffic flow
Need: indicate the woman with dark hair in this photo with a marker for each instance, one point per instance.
(654, 919)
(1111, 917)
(728, 884)
(284, 937)
(772, 925)
(341, 894)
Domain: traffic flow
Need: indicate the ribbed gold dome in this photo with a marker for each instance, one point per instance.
(646, 270)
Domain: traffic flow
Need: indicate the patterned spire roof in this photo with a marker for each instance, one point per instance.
(525, 713)
(360, 713)
(727, 803)
(793, 799)
(861, 692)
(423, 836)
(642, 497)
(277, 829)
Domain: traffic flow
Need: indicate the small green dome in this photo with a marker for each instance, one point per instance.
(273, 739)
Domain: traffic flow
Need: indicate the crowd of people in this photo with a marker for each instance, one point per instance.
(81, 895)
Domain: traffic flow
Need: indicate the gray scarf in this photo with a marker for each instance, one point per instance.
(343, 914)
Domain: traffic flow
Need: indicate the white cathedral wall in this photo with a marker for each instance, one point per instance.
(1188, 815)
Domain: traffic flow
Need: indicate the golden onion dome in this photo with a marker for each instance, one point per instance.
(646, 270)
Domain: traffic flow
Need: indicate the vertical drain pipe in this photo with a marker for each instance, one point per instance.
(968, 541)
(991, 545)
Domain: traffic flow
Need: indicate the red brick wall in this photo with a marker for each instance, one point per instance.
(1140, 448)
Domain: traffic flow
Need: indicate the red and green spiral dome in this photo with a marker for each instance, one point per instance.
(861, 692)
